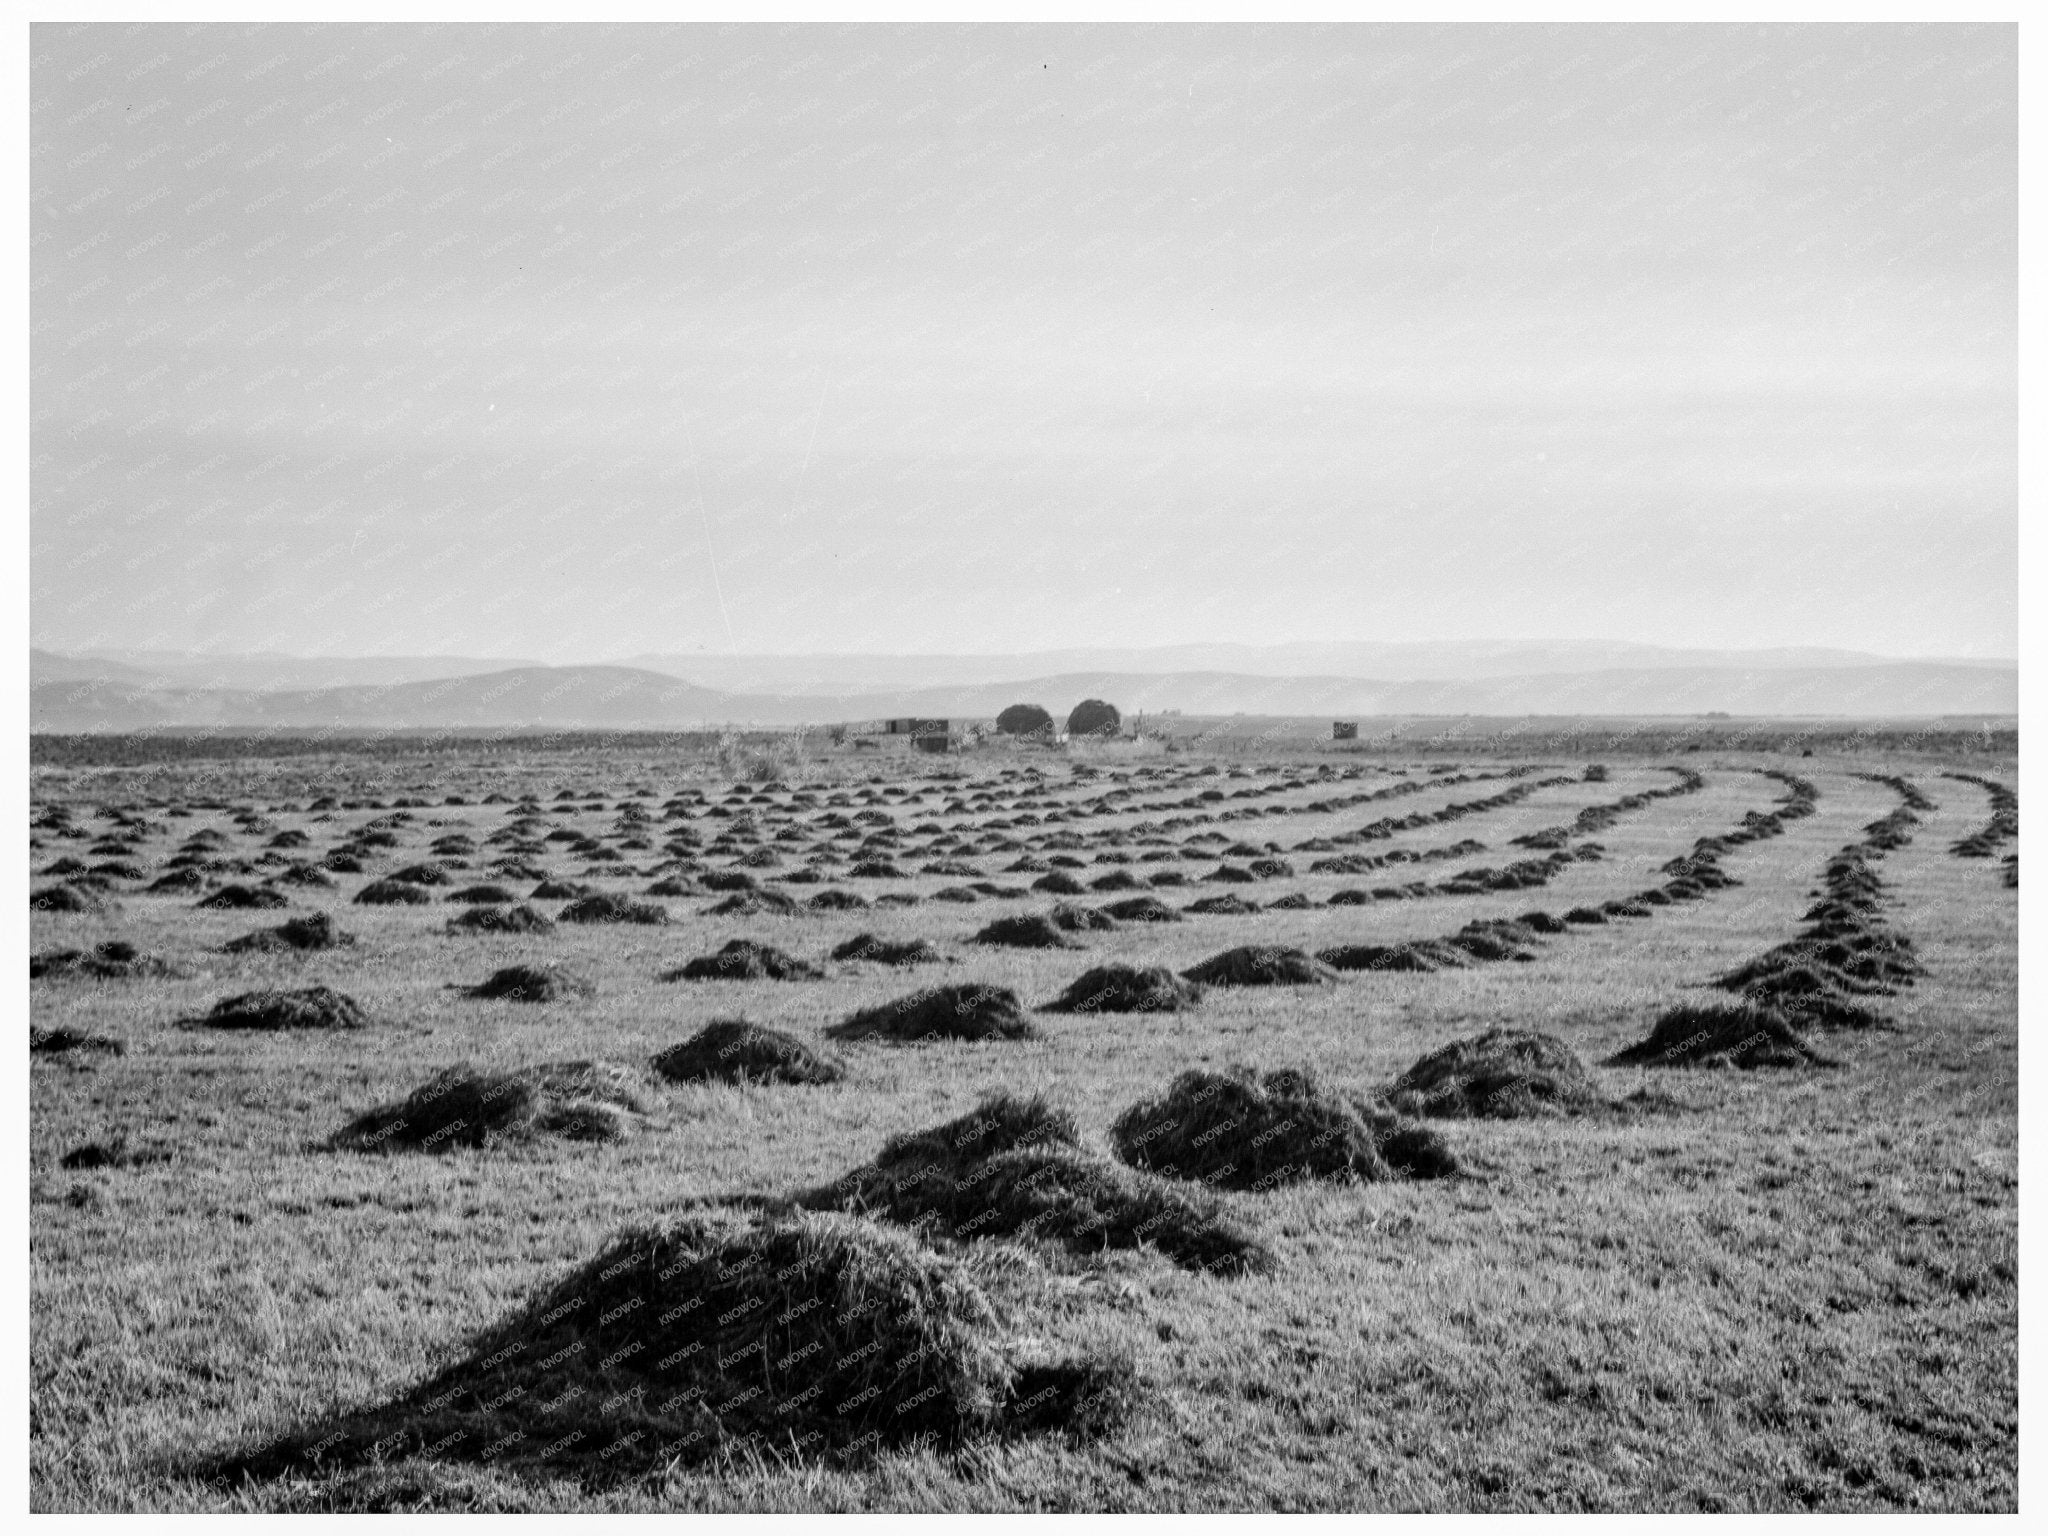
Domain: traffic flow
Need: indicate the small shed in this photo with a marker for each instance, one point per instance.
(1343, 730)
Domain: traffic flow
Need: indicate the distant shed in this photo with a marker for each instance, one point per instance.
(1343, 730)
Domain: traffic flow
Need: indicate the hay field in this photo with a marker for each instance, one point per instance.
(266, 1274)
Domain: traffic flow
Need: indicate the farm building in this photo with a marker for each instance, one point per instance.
(912, 726)
(1343, 730)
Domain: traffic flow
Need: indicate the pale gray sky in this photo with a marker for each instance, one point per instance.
(578, 342)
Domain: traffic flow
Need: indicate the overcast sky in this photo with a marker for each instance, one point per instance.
(577, 342)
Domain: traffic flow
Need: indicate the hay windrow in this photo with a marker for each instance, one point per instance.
(965, 1011)
(812, 1335)
(114, 960)
(465, 1107)
(881, 951)
(735, 1051)
(746, 960)
(1120, 988)
(609, 907)
(1720, 1035)
(301, 1008)
(1015, 1168)
(522, 918)
(1503, 1074)
(316, 930)
(533, 984)
(1260, 965)
(1025, 931)
(1239, 1130)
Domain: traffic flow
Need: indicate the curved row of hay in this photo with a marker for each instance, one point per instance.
(2003, 826)
(1485, 940)
(1598, 818)
(1845, 953)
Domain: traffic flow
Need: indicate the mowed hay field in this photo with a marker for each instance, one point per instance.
(260, 1281)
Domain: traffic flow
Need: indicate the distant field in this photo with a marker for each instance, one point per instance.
(1700, 1287)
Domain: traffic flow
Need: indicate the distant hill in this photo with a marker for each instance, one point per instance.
(585, 698)
(1421, 661)
(258, 670)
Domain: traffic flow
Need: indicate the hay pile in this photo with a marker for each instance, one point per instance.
(558, 890)
(1260, 965)
(1016, 1168)
(392, 893)
(755, 903)
(316, 930)
(610, 907)
(1238, 1130)
(61, 1041)
(75, 896)
(1127, 989)
(115, 960)
(465, 1107)
(483, 895)
(837, 900)
(746, 960)
(1142, 909)
(519, 919)
(1069, 917)
(238, 898)
(1033, 931)
(1720, 1035)
(868, 946)
(734, 1051)
(966, 1011)
(533, 984)
(303, 1008)
(1223, 906)
(1058, 883)
(726, 1335)
(1504, 1074)
(117, 1153)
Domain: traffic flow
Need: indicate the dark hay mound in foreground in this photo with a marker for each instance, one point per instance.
(393, 893)
(519, 919)
(1239, 1130)
(1071, 917)
(306, 1008)
(1127, 989)
(241, 898)
(609, 907)
(734, 1051)
(1016, 1168)
(533, 984)
(316, 930)
(1720, 1035)
(61, 1041)
(1504, 1074)
(792, 1335)
(868, 946)
(115, 960)
(465, 1107)
(967, 1011)
(745, 960)
(1259, 965)
(1035, 931)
